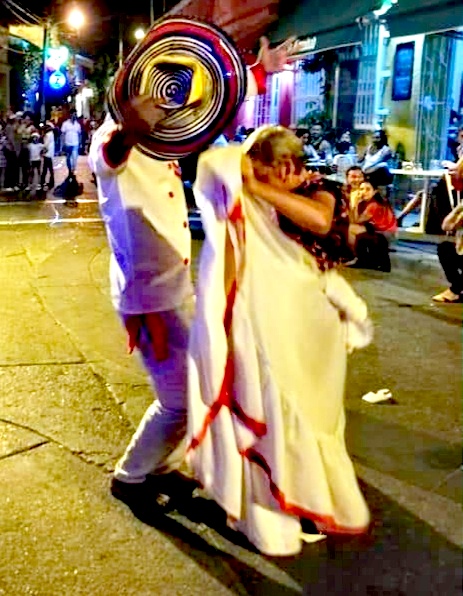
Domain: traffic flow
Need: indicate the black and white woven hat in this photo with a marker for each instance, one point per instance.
(196, 72)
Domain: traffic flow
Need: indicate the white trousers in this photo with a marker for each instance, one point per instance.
(157, 444)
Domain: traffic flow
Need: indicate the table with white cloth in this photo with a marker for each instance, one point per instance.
(427, 176)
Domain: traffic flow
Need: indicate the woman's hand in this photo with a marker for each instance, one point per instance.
(288, 176)
(247, 171)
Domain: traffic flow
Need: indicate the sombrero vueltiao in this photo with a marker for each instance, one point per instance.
(183, 62)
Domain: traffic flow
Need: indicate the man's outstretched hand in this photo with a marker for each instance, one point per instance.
(274, 59)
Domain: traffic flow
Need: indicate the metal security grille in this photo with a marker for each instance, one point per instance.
(433, 106)
(262, 104)
(364, 112)
(308, 92)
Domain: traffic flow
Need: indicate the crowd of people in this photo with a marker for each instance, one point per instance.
(27, 148)
(362, 180)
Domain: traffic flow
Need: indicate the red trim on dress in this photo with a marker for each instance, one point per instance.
(324, 523)
(225, 397)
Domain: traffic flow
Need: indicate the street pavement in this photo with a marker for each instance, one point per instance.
(70, 397)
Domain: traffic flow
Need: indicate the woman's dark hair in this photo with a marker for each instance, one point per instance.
(300, 132)
(382, 137)
(377, 196)
(343, 147)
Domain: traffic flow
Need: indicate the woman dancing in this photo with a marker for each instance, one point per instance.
(269, 345)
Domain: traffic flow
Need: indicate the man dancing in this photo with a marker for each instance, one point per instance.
(145, 214)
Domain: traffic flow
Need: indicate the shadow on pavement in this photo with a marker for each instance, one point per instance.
(403, 556)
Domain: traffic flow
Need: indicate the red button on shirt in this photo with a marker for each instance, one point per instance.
(185, 225)
(186, 261)
(171, 194)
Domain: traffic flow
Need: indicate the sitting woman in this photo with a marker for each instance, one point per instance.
(372, 222)
(273, 326)
(375, 161)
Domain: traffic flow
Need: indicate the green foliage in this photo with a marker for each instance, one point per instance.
(27, 63)
(101, 77)
(321, 61)
(313, 116)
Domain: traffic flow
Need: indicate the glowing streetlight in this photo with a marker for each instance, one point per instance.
(76, 19)
(139, 34)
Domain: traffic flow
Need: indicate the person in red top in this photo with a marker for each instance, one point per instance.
(372, 222)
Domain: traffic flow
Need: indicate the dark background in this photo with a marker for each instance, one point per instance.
(101, 31)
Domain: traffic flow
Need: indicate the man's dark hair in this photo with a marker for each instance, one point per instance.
(353, 169)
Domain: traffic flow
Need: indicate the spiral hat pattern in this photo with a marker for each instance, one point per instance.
(196, 72)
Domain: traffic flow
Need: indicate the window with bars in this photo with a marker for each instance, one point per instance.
(308, 92)
(364, 113)
(266, 106)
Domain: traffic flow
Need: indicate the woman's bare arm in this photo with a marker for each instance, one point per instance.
(314, 214)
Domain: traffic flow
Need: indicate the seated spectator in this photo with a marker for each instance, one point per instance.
(444, 197)
(320, 144)
(347, 138)
(240, 134)
(451, 253)
(354, 178)
(372, 220)
(344, 157)
(309, 151)
(458, 153)
(376, 158)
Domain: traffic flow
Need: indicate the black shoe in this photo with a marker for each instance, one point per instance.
(175, 490)
(132, 494)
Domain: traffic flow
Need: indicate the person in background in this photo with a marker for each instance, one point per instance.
(371, 222)
(375, 161)
(25, 130)
(458, 152)
(353, 180)
(48, 155)
(3, 161)
(346, 137)
(450, 252)
(36, 148)
(309, 151)
(240, 134)
(320, 144)
(345, 156)
(12, 150)
(71, 133)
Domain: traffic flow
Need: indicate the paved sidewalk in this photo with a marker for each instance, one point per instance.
(70, 397)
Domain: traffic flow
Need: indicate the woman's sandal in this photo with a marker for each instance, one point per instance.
(448, 297)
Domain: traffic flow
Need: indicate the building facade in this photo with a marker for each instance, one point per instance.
(396, 65)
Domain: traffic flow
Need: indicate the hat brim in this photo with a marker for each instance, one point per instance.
(207, 104)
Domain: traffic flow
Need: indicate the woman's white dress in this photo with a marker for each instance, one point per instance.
(267, 371)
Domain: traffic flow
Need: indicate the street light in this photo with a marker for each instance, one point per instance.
(75, 20)
(139, 34)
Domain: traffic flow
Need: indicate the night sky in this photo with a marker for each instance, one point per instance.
(98, 35)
